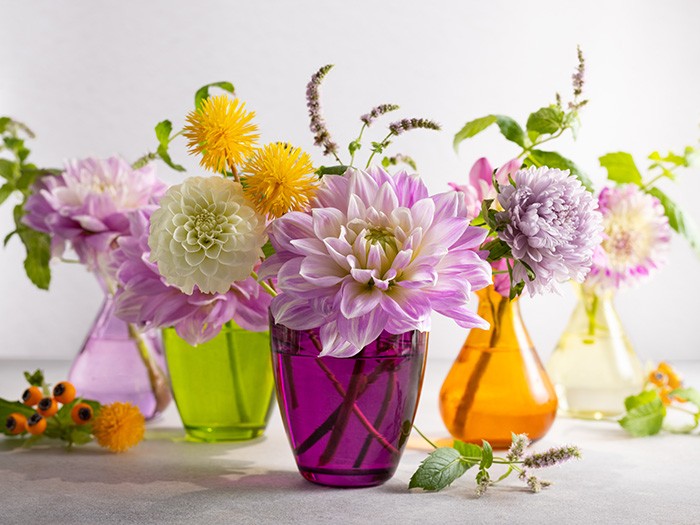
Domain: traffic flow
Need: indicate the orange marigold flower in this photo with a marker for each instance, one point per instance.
(666, 380)
(119, 426)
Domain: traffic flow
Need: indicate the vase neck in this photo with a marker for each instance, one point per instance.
(506, 330)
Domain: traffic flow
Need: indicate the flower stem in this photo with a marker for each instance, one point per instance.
(388, 394)
(469, 396)
(159, 385)
(236, 374)
(424, 437)
(265, 286)
(383, 144)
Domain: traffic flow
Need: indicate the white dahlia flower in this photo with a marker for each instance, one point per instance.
(206, 234)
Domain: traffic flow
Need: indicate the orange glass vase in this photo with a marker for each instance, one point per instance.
(498, 385)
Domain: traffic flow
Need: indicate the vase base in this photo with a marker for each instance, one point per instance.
(347, 478)
(206, 434)
(596, 415)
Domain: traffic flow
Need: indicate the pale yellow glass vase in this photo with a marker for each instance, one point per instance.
(594, 367)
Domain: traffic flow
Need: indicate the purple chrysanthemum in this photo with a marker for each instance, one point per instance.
(375, 253)
(636, 238)
(145, 298)
(87, 205)
(551, 224)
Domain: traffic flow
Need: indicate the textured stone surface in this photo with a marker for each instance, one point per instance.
(168, 480)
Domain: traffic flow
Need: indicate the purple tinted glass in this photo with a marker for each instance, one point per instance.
(109, 367)
(348, 419)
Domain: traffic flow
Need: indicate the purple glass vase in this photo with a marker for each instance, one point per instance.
(119, 363)
(347, 419)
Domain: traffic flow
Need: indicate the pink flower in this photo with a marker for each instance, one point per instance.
(145, 298)
(87, 205)
(636, 238)
(375, 253)
(480, 185)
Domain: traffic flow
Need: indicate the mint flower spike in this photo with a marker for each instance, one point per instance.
(407, 124)
(376, 112)
(551, 457)
(322, 136)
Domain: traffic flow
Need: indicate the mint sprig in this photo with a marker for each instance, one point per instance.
(445, 465)
(646, 413)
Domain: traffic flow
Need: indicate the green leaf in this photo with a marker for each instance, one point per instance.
(165, 157)
(621, 168)
(472, 128)
(553, 159)
(163, 130)
(268, 249)
(643, 398)
(8, 169)
(468, 450)
(4, 122)
(36, 263)
(487, 458)
(545, 120)
(677, 219)
(331, 170)
(439, 470)
(497, 250)
(80, 436)
(510, 129)
(689, 394)
(36, 378)
(5, 191)
(643, 418)
(203, 93)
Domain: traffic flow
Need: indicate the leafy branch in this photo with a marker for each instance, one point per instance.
(20, 176)
(544, 125)
(447, 464)
(621, 168)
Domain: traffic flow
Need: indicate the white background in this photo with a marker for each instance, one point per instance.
(93, 78)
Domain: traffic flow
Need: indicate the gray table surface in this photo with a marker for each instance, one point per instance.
(169, 480)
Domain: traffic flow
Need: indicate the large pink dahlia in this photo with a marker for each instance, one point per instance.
(87, 206)
(375, 253)
(636, 238)
(145, 298)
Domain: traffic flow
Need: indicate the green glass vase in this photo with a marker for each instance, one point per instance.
(594, 367)
(223, 388)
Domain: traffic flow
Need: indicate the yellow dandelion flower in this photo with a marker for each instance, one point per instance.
(119, 426)
(280, 178)
(222, 132)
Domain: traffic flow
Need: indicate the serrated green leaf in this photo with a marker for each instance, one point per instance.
(472, 128)
(621, 168)
(165, 157)
(678, 219)
(4, 122)
(163, 130)
(468, 450)
(644, 419)
(487, 457)
(545, 120)
(553, 159)
(439, 470)
(203, 93)
(510, 129)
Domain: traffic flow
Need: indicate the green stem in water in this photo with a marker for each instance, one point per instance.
(469, 396)
(159, 386)
(236, 374)
(591, 311)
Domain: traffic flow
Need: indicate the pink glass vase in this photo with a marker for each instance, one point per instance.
(117, 362)
(348, 419)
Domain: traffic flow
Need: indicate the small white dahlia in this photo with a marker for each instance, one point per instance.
(636, 238)
(205, 233)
